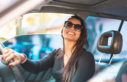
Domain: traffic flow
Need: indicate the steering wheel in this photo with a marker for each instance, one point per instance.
(9, 74)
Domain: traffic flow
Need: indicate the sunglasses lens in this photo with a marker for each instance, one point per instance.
(77, 27)
(68, 24)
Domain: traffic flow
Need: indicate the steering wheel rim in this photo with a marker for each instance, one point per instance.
(7, 73)
(15, 72)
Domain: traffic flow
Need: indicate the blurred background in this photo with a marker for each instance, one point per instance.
(37, 34)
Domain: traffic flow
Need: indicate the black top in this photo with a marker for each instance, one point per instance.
(85, 66)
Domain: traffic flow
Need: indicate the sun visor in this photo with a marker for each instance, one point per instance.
(110, 42)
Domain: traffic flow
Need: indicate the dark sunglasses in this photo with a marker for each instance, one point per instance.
(69, 24)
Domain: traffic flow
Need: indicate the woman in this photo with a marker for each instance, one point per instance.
(70, 64)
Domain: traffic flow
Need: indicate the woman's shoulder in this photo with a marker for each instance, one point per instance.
(86, 56)
(57, 52)
(86, 53)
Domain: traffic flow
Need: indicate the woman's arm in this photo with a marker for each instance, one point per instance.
(85, 68)
(34, 67)
(38, 66)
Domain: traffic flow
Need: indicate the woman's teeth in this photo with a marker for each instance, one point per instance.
(71, 33)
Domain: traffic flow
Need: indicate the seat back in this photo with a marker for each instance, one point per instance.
(100, 66)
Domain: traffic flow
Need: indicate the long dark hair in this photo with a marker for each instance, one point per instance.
(70, 68)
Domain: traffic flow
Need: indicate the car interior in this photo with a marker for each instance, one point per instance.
(109, 42)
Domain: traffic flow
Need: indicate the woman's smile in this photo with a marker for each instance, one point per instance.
(71, 33)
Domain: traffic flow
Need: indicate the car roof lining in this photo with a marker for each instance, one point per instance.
(50, 9)
(116, 9)
(103, 8)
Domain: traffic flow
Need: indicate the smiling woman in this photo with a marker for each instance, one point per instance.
(74, 35)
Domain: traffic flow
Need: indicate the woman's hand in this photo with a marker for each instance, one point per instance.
(9, 54)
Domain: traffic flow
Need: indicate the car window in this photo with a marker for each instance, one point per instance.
(29, 28)
(35, 34)
(34, 23)
(36, 46)
(99, 25)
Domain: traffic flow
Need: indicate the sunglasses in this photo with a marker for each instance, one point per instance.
(69, 24)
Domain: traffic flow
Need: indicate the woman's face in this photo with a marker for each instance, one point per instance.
(69, 30)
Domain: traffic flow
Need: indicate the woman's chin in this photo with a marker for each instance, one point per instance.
(70, 39)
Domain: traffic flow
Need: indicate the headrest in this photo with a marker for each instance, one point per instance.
(115, 45)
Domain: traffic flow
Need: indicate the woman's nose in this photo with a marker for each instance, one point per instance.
(72, 27)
